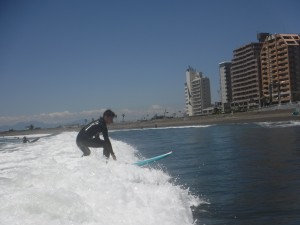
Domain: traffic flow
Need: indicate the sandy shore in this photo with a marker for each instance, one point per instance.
(246, 117)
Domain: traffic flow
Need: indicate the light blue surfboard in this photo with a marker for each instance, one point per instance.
(151, 160)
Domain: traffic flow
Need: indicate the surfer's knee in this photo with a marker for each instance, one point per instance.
(86, 151)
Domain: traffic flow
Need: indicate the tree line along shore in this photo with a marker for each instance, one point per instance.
(244, 117)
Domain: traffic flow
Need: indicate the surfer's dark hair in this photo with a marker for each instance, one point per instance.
(109, 113)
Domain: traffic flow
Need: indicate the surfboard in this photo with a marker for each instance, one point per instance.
(151, 160)
(34, 140)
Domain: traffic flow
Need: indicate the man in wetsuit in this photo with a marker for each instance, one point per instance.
(25, 140)
(88, 136)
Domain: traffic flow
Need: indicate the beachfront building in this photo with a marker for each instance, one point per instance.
(225, 85)
(246, 75)
(280, 68)
(197, 92)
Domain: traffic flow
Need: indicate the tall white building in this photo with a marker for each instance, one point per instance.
(197, 92)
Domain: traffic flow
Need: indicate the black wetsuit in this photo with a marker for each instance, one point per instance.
(25, 140)
(88, 136)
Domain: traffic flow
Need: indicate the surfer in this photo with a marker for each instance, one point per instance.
(88, 136)
(25, 140)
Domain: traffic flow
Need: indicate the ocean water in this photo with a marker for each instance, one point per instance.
(218, 174)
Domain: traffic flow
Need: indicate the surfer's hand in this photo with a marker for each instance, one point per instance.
(113, 156)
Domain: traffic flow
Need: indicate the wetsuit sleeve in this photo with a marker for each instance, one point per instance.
(107, 141)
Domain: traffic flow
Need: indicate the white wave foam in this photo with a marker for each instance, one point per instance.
(163, 128)
(49, 183)
(279, 124)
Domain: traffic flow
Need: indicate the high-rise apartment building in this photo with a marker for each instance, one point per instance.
(225, 82)
(280, 68)
(246, 75)
(197, 92)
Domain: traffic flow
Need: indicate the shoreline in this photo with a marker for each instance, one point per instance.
(244, 117)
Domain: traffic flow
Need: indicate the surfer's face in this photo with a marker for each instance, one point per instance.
(108, 119)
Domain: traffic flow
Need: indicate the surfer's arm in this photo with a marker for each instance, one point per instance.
(108, 144)
(113, 156)
(110, 148)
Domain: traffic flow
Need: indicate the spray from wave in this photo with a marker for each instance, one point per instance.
(279, 124)
(47, 182)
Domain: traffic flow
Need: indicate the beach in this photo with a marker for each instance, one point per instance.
(243, 117)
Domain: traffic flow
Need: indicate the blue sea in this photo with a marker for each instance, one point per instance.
(240, 174)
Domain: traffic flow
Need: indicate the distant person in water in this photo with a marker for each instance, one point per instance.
(25, 140)
(89, 135)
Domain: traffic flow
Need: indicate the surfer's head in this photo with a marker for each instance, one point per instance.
(108, 116)
(24, 139)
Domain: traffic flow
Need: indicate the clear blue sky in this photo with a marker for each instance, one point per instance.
(67, 59)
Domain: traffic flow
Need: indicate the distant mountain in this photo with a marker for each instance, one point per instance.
(25, 125)
(36, 124)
